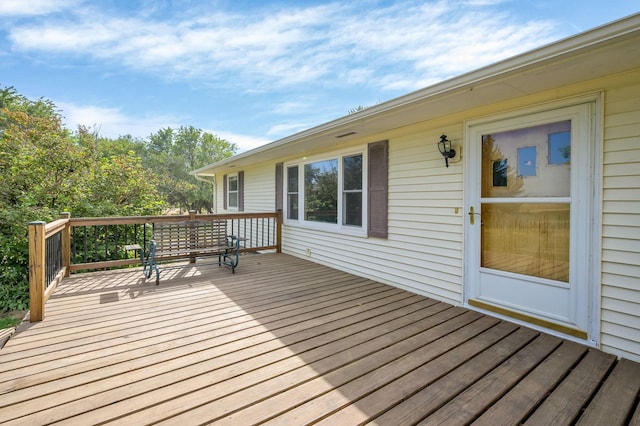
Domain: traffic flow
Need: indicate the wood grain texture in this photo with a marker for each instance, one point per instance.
(288, 341)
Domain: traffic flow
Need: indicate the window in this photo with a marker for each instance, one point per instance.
(320, 191)
(328, 192)
(232, 192)
(292, 192)
(345, 192)
(352, 190)
(511, 159)
(520, 235)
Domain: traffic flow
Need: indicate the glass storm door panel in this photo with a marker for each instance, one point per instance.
(527, 217)
(525, 201)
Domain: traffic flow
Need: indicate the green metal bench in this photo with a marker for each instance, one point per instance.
(191, 239)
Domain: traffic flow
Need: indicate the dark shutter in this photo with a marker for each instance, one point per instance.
(279, 185)
(241, 191)
(224, 192)
(378, 189)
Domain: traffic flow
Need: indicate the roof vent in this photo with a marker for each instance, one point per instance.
(345, 135)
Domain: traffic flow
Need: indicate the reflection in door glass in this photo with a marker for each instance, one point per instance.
(527, 159)
(530, 162)
(560, 148)
(526, 238)
(521, 235)
(500, 174)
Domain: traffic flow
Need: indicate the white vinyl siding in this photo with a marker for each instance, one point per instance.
(423, 198)
(620, 321)
(259, 189)
(424, 246)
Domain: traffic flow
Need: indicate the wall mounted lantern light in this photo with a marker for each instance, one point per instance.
(446, 149)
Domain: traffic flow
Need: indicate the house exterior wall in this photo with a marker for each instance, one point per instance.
(259, 193)
(259, 187)
(424, 250)
(620, 297)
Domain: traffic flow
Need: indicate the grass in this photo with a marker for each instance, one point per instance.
(10, 319)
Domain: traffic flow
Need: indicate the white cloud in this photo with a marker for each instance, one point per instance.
(292, 107)
(474, 3)
(112, 122)
(244, 142)
(34, 7)
(295, 46)
(297, 65)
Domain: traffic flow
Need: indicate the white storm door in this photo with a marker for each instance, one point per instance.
(528, 217)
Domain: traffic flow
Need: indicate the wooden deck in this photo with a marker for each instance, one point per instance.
(286, 341)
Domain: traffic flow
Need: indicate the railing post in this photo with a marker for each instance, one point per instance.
(192, 216)
(66, 244)
(36, 270)
(279, 232)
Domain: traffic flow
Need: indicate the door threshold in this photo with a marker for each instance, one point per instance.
(570, 331)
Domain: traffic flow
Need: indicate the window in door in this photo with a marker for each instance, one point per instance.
(526, 222)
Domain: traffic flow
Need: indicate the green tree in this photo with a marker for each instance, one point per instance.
(123, 145)
(38, 163)
(120, 186)
(174, 153)
(46, 169)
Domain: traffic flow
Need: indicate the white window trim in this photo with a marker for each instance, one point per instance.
(328, 227)
(229, 206)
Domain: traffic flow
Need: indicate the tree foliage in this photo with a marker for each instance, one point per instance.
(174, 153)
(46, 169)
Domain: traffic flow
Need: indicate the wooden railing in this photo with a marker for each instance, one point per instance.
(79, 244)
(48, 261)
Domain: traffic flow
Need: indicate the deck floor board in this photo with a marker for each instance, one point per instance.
(435, 395)
(288, 341)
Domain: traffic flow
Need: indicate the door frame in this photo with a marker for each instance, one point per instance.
(591, 237)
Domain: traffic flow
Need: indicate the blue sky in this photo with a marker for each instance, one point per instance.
(254, 71)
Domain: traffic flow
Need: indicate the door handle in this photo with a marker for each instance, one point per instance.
(472, 215)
